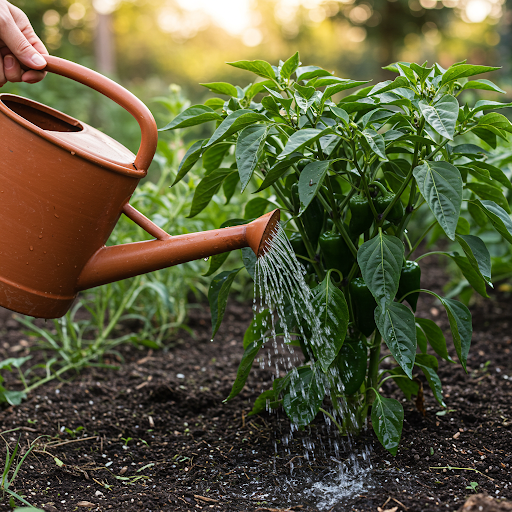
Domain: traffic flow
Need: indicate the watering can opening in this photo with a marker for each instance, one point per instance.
(40, 115)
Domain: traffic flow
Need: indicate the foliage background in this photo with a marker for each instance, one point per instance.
(154, 43)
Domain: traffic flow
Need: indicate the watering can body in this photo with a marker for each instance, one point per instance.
(63, 187)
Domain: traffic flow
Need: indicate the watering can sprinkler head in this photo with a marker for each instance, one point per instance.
(63, 187)
(260, 232)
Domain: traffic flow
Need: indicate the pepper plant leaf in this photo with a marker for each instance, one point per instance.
(486, 191)
(435, 337)
(387, 422)
(473, 277)
(218, 296)
(310, 181)
(305, 395)
(477, 254)
(191, 157)
(464, 70)
(222, 88)
(331, 308)
(289, 67)
(485, 85)
(440, 184)
(397, 327)
(216, 262)
(192, 116)
(376, 142)
(299, 140)
(235, 122)
(499, 218)
(380, 260)
(206, 189)
(441, 116)
(258, 67)
(249, 148)
(428, 365)
(278, 169)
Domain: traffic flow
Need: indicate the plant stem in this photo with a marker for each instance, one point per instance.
(425, 233)
(373, 368)
(338, 426)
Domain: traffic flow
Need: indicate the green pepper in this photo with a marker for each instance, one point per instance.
(336, 252)
(382, 201)
(351, 363)
(363, 305)
(410, 279)
(312, 217)
(362, 217)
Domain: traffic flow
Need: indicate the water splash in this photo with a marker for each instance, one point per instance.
(280, 287)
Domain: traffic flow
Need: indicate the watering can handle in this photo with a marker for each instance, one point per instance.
(117, 93)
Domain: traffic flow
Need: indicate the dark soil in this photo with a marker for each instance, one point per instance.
(159, 423)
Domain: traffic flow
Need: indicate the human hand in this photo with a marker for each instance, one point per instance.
(20, 49)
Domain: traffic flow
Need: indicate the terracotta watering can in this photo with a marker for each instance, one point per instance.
(63, 187)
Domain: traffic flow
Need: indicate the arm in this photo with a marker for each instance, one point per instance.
(21, 51)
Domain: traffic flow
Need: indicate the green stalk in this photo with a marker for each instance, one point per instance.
(373, 367)
(421, 238)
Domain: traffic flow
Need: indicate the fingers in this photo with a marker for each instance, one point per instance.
(14, 27)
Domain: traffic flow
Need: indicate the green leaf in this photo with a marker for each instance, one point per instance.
(214, 103)
(305, 396)
(486, 191)
(256, 207)
(429, 365)
(422, 71)
(244, 368)
(435, 337)
(331, 308)
(257, 328)
(216, 262)
(222, 88)
(258, 87)
(290, 66)
(460, 325)
(191, 157)
(495, 172)
(249, 148)
(380, 260)
(397, 326)
(376, 142)
(331, 90)
(477, 254)
(474, 278)
(258, 67)
(310, 181)
(442, 116)
(409, 387)
(488, 105)
(388, 85)
(499, 218)
(309, 72)
(299, 140)
(482, 84)
(249, 259)
(235, 122)
(206, 189)
(229, 186)
(278, 169)
(497, 120)
(387, 422)
(351, 363)
(192, 116)
(14, 397)
(441, 186)
(463, 71)
(421, 340)
(260, 404)
(339, 112)
(213, 156)
(218, 296)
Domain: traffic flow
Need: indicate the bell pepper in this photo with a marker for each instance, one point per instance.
(363, 306)
(312, 218)
(383, 200)
(351, 363)
(336, 252)
(410, 279)
(362, 217)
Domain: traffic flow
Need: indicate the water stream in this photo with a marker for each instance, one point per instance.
(281, 288)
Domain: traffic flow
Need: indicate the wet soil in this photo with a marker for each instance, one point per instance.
(155, 435)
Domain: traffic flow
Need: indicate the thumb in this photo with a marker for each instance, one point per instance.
(20, 46)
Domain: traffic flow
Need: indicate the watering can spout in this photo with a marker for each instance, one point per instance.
(118, 262)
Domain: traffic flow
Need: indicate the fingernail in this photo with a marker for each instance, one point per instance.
(38, 60)
(8, 61)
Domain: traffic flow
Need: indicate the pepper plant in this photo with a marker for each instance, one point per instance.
(349, 175)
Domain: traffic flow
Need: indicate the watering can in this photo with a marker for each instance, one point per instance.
(64, 186)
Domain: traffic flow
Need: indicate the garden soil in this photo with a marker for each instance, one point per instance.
(155, 434)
